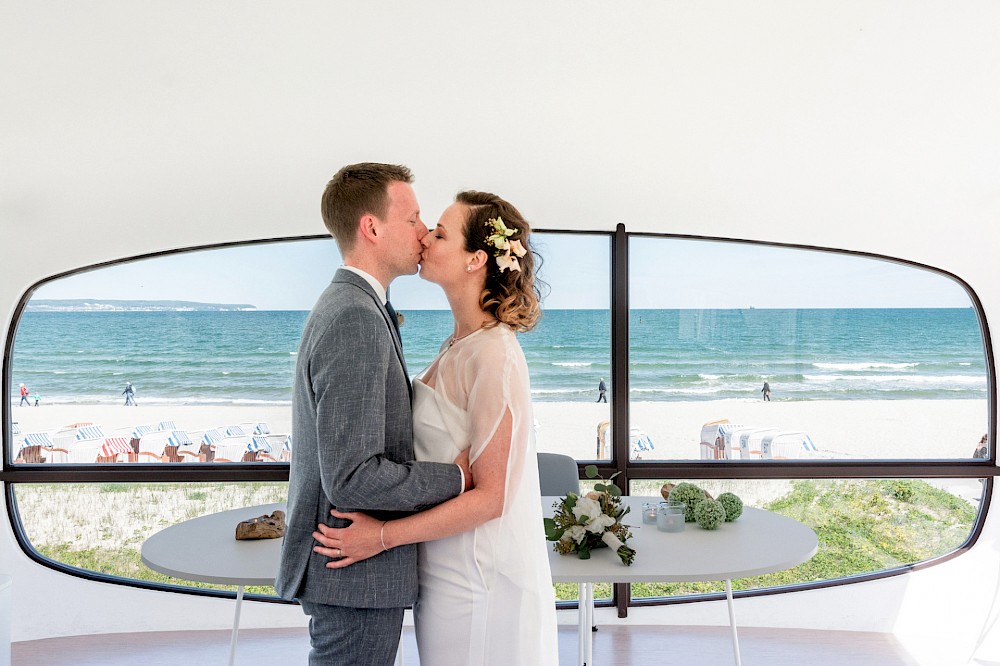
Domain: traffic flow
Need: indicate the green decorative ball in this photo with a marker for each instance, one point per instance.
(733, 506)
(691, 495)
(709, 514)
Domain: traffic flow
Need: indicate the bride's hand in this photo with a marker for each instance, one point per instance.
(358, 541)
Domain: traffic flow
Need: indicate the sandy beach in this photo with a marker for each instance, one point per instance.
(919, 429)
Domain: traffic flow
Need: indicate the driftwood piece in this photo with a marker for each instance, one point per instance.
(667, 487)
(262, 527)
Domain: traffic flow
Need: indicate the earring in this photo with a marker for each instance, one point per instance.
(468, 269)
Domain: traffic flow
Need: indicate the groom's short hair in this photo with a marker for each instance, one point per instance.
(357, 190)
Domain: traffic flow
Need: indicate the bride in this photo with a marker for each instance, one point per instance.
(485, 587)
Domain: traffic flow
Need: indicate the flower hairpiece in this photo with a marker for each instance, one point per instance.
(503, 246)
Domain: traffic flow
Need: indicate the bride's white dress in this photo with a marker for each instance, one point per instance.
(485, 595)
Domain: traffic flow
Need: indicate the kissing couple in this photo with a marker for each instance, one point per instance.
(424, 494)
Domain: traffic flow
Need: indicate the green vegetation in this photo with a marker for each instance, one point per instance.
(863, 526)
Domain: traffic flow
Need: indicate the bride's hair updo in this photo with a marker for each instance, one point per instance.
(512, 296)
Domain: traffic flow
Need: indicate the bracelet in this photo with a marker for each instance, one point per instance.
(381, 535)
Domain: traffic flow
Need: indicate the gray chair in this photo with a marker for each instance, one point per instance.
(558, 474)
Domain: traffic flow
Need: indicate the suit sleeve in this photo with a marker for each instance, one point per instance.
(348, 372)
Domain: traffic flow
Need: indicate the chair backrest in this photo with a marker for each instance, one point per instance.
(558, 474)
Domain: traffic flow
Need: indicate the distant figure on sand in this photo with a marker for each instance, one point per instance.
(602, 390)
(24, 396)
(37, 397)
(766, 391)
(129, 394)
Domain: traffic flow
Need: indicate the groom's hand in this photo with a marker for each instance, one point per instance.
(463, 461)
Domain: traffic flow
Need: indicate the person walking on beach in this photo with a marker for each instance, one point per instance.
(36, 397)
(767, 392)
(129, 394)
(24, 396)
(602, 390)
(485, 596)
(353, 425)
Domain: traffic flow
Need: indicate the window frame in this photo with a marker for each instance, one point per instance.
(628, 470)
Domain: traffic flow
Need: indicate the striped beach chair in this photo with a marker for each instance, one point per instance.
(234, 431)
(89, 432)
(35, 448)
(184, 447)
(115, 449)
(15, 428)
(166, 425)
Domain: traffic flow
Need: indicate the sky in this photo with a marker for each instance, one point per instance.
(664, 273)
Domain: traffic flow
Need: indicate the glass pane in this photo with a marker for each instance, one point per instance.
(180, 358)
(748, 352)
(568, 352)
(101, 526)
(863, 525)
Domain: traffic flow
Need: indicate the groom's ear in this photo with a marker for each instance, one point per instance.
(368, 227)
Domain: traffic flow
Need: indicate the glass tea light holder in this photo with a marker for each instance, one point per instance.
(670, 517)
(649, 511)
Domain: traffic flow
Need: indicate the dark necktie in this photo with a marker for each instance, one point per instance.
(393, 318)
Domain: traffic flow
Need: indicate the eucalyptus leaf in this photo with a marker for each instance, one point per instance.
(590, 471)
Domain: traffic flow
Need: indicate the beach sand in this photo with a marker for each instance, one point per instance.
(852, 429)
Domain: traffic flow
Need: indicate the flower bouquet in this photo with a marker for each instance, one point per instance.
(582, 524)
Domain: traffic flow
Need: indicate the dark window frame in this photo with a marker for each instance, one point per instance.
(628, 470)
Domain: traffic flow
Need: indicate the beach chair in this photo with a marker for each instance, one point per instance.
(207, 441)
(35, 448)
(235, 449)
(639, 444)
(85, 451)
(260, 445)
(750, 442)
(114, 449)
(153, 448)
(67, 436)
(180, 444)
(259, 428)
(166, 425)
(786, 445)
(15, 429)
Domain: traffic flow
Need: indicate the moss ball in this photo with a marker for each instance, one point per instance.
(691, 495)
(709, 514)
(733, 506)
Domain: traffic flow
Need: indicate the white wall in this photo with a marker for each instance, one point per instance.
(128, 128)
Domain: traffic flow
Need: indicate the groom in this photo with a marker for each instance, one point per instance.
(352, 426)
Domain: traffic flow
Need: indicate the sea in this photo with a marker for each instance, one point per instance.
(248, 357)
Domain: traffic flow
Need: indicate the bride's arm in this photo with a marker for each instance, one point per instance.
(367, 536)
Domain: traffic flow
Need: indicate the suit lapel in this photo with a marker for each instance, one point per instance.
(359, 282)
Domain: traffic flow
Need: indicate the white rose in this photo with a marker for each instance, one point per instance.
(586, 506)
(576, 533)
(600, 523)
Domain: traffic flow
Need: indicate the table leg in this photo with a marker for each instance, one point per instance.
(589, 626)
(236, 625)
(732, 622)
(581, 625)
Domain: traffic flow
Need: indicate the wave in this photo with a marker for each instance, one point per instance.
(864, 366)
(572, 364)
(910, 379)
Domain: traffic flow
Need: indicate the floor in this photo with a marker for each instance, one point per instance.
(616, 645)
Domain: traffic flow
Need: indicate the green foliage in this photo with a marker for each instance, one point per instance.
(732, 504)
(691, 495)
(709, 514)
(115, 488)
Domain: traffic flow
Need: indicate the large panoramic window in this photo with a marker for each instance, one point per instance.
(738, 358)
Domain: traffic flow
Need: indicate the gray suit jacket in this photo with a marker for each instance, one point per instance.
(353, 449)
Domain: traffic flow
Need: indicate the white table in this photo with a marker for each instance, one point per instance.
(205, 549)
(759, 542)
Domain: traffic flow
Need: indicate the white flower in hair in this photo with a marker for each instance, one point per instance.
(517, 248)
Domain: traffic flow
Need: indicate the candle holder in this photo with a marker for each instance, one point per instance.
(670, 516)
(649, 511)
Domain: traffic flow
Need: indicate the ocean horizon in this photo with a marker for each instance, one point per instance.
(248, 357)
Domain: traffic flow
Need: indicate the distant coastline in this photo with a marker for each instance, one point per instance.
(106, 305)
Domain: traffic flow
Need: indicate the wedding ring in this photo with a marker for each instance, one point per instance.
(338, 552)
